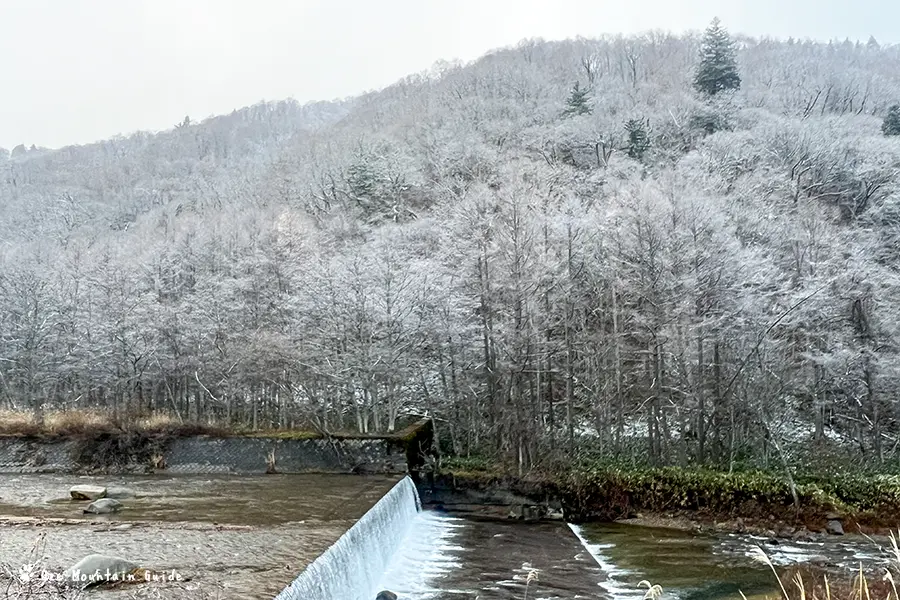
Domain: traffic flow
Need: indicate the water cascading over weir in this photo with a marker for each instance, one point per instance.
(352, 567)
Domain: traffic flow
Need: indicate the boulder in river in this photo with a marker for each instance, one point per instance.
(834, 527)
(386, 595)
(99, 568)
(87, 492)
(103, 506)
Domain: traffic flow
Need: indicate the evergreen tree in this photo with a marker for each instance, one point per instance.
(718, 64)
(577, 104)
(891, 125)
(638, 138)
(362, 180)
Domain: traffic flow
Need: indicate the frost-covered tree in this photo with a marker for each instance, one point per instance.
(717, 71)
(891, 123)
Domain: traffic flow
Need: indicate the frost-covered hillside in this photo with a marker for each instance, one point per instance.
(603, 236)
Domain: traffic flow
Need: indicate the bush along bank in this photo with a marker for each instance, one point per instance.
(753, 500)
(611, 493)
(867, 504)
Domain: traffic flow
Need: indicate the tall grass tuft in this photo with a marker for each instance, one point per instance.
(532, 576)
(654, 592)
(760, 555)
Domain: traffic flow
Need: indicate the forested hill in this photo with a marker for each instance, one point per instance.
(624, 245)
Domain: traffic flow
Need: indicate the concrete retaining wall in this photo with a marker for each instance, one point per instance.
(249, 455)
(142, 453)
(20, 455)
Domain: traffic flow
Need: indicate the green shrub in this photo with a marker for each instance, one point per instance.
(615, 492)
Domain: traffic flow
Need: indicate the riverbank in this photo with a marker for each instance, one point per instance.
(742, 502)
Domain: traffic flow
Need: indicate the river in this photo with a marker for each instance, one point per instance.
(248, 537)
(452, 558)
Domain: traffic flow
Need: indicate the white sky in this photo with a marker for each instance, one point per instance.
(75, 71)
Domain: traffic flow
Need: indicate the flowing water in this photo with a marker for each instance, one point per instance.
(225, 499)
(710, 566)
(491, 560)
(690, 567)
(453, 558)
(331, 537)
(352, 567)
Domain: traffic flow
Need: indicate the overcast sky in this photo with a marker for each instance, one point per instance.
(75, 71)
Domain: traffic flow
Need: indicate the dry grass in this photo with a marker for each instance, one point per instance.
(87, 422)
(76, 421)
(16, 422)
(79, 422)
(158, 462)
(28, 581)
(157, 422)
(56, 423)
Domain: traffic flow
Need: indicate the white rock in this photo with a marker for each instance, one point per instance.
(103, 506)
(87, 492)
(99, 568)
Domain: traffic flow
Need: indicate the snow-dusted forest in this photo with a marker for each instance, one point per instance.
(590, 243)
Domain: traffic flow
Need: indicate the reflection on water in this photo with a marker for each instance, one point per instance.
(708, 567)
(225, 499)
(687, 566)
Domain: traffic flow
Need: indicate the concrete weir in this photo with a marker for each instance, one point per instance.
(353, 566)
